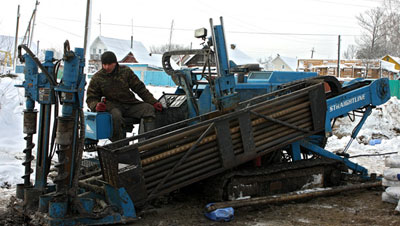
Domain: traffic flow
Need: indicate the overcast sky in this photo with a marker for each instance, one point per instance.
(260, 28)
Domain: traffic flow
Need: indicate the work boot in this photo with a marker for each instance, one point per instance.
(149, 124)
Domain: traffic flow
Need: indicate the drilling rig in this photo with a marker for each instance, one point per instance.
(243, 132)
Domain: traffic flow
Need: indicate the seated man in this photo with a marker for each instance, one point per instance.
(118, 83)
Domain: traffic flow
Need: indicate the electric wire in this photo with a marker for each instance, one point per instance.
(369, 155)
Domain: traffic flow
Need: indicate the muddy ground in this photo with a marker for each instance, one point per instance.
(362, 207)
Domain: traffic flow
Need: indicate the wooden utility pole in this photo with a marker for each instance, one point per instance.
(338, 56)
(87, 34)
(312, 52)
(16, 39)
(33, 23)
(170, 35)
(132, 34)
(85, 42)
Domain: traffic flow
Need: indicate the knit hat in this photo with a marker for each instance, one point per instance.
(108, 58)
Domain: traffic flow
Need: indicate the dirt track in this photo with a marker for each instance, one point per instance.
(362, 207)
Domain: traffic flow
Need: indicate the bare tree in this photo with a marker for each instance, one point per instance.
(266, 63)
(351, 52)
(373, 40)
(392, 26)
(164, 48)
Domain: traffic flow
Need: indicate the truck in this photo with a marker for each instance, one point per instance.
(241, 132)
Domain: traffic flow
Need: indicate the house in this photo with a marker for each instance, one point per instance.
(281, 63)
(393, 60)
(133, 54)
(127, 51)
(350, 68)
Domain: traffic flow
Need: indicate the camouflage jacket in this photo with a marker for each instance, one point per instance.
(117, 87)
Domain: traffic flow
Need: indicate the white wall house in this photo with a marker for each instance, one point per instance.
(281, 63)
(122, 48)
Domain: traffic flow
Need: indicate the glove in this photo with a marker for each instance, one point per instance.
(100, 107)
(158, 106)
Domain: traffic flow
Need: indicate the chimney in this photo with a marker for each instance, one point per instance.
(131, 41)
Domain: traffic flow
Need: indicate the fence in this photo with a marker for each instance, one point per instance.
(395, 88)
(155, 78)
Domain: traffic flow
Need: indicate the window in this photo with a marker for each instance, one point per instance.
(283, 66)
(260, 75)
(99, 51)
(94, 51)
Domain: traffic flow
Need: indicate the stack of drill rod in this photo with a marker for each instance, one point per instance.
(199, 148)
(182, 157)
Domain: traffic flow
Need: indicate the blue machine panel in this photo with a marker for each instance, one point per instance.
(98, 125)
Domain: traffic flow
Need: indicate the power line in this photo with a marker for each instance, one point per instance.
(57, 28)
(282, 33)
(340, 3)
(237, 32)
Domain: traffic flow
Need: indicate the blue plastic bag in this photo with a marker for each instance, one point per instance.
(220, 215)
(375, 141)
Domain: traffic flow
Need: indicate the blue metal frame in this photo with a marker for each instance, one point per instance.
(38, 89)
(369, 96)
(374, 94)
(322, 152)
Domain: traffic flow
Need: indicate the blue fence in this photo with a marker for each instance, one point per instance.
(395, 88)
(155, 78)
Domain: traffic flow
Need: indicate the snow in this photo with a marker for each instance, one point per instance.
(239, 57)
(121, 48)
(384, 123)
(11, 136)
(388, 66)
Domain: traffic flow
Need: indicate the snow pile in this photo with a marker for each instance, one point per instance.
(391, 180)
(11, 136)
(383, 124)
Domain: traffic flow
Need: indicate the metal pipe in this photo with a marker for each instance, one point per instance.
(282, 106)
(294, 120)
(283, 123)
(194, 176)
(290, 138)
(266, 137)
(178, 175)
(164, 169)
(278, 133)
(163, 148)
(178, 164)
(164, 163)
(273, 199)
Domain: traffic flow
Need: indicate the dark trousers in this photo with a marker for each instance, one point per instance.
(119, 112)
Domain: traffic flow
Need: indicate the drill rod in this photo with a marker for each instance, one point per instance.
(291, 196)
